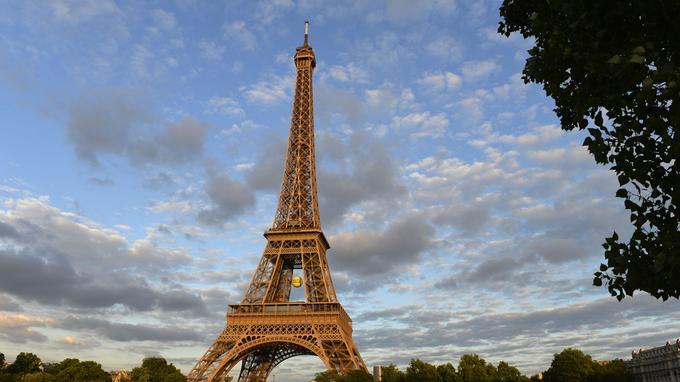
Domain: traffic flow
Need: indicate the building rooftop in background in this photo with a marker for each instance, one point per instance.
(659, 364)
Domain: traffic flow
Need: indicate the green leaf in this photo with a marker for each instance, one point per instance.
(595, 132)
(598, 119)
(621, 193)
(636, 59)
(603, 267)
(639, 50)
(597, 281)
(616, 59)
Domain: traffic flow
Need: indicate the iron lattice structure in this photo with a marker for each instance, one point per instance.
(266, 328)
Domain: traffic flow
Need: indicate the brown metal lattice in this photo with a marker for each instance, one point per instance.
(266, 328)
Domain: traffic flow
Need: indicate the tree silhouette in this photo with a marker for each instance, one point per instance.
(613, 67)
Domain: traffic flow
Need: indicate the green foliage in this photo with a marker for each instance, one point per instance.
(570, 365)
(73, 370)
(391, 373)
(448, 373)
(419, 371)
(25, 363)
(327, 376)
(472, 368)
(55, 368)
(157, 369)
(38, 376)
(350, 376)
(573, 365)
(356, 376)
(2, 360)
(507, 373)
(614, 371)
(615, 66)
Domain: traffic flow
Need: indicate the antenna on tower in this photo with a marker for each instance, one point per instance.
(306, 32)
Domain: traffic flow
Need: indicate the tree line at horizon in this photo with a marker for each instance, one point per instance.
(27, 367)
(570, 365)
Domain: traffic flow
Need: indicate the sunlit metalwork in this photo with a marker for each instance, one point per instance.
(266, 328)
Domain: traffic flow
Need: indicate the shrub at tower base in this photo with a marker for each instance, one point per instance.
(157, 369)
(614, 67)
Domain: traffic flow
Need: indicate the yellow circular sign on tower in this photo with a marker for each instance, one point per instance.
(297, 281)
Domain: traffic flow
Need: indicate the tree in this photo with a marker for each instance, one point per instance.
(38, 376)
(615, 66)
(73, 370)
(570, 365)
(349, 376)
(391, 373)
(25, 363)
(507, 373)
(157, 369)
(613, 371)
(56, 368)
(472, 368)
(447, 373)
(419, 371)
(356, 376)
(327, 376)
(2, 360)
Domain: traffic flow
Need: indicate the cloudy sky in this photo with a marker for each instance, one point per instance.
(141, 151)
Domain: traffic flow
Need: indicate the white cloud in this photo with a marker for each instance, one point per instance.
(224, 105)
(237, 30)
(425, 124)
(268, 11)
(164, 19)
(446, 47)
(85, 243)
(477, 69)
(513, 89)
(386, 99)
(471, 108)
(441, 81)
(269, 91)
(210, 50)
(74, 11)
(18, 328)
(347, 73)
(538, 136)
(140, 61)
(69, 341)
(238, 128)
(171, 205)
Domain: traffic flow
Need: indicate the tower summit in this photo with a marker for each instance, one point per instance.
(267, 328)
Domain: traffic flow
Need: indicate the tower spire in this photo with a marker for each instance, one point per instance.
(306, 33)
(298, 207)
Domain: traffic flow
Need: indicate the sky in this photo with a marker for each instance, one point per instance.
(141, 154)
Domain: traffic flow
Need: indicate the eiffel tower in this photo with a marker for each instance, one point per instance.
(267, 328)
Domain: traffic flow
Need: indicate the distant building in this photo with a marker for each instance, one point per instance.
(660, 364)
(377, 373)
(121, 376)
